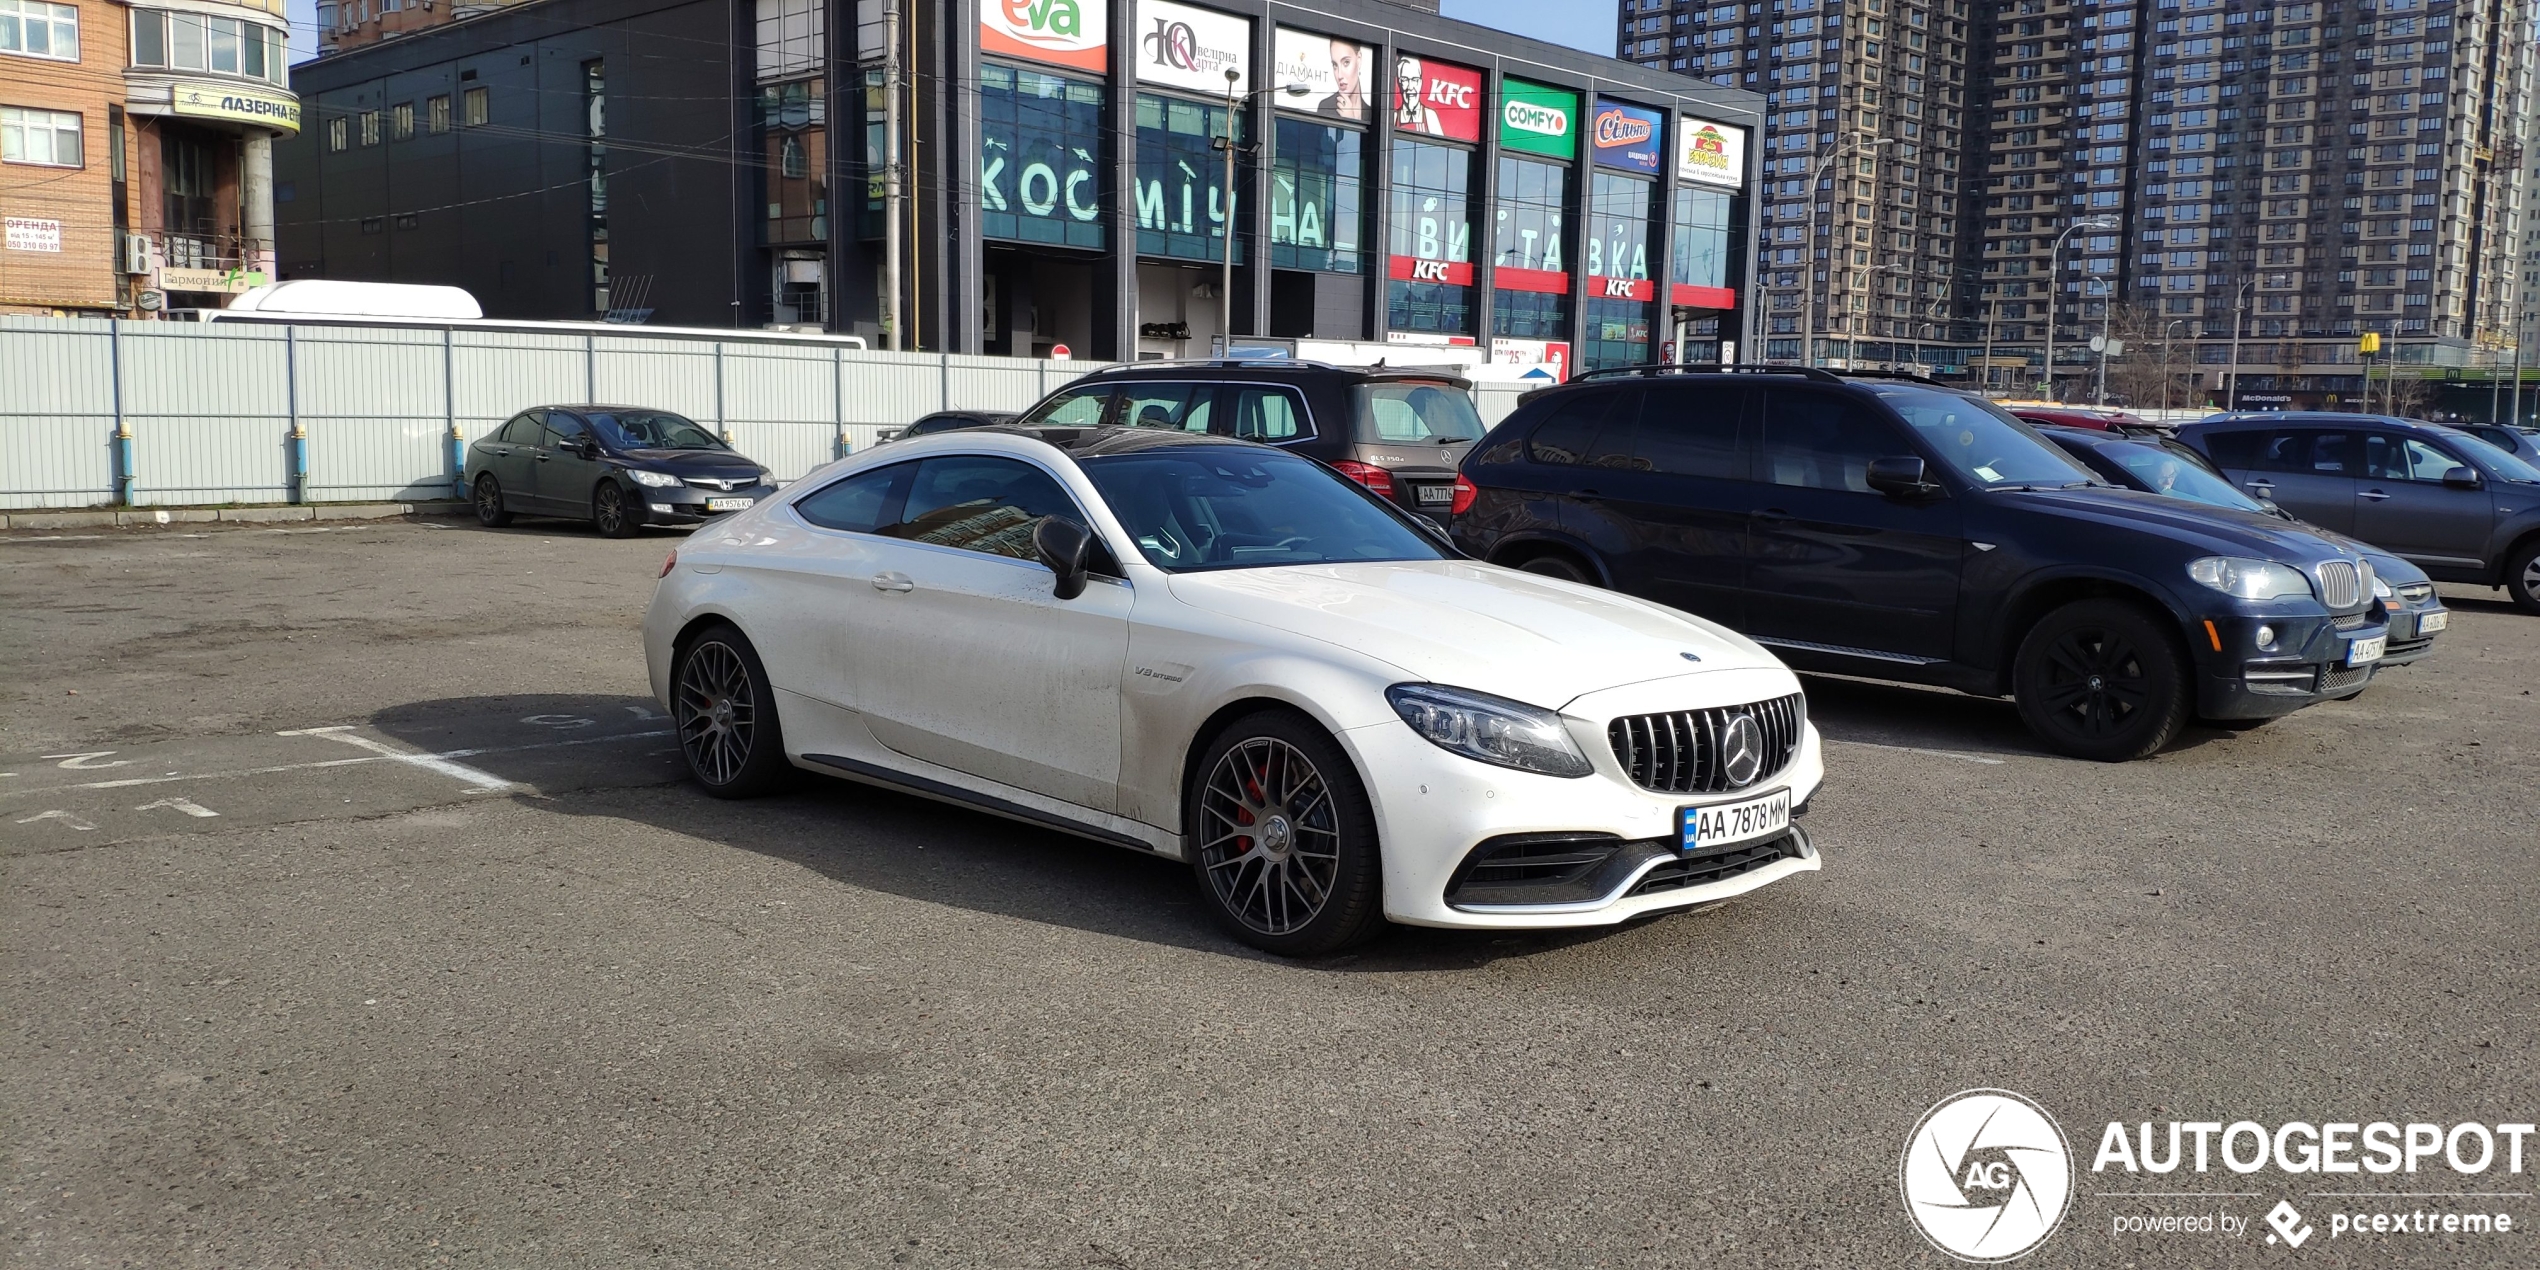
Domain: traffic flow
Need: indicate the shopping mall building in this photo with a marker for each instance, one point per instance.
(1402, 177)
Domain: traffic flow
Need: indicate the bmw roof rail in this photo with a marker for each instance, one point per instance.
(1215, 363)
(1708, 368)
(1910, 376)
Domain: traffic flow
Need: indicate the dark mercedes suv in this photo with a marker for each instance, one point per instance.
(1400, 433)
(1902, 530)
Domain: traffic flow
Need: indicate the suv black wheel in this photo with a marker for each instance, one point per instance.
(2522, 576)
(725, 715)
(490, 511)
(1282, 838)
(609, 512)
(2101, 679)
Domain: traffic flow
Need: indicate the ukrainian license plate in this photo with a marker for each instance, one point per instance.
(2364, 652)
(1434, 494)
(2428, 623)
(729, 504)
(1701, 828)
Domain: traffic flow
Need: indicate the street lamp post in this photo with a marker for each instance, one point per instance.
(2519, 324)
(2231, 388)
(1226, 276)
(2055, 284)
(2167, 375)
(1808, 323)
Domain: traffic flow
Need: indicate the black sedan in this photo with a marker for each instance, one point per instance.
(619, 467)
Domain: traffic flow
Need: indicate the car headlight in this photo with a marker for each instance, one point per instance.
(2380, 589)
(658, 480)
(766, 477)
(2249, 579)
(1489, 729)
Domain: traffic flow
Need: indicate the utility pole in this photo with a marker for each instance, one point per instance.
(1226, 276)
(2231, 389)
(891, 172)
(2518, 332)
(1992, 310)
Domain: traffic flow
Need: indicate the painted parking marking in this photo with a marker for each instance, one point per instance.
(186, 805)
(65, 817)
(1916, 749)
(429, 762)
(131, 782)
(83, 762)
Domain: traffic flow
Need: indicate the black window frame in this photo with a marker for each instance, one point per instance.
(1900, 432)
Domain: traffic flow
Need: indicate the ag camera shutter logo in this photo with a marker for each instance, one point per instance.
(1987, 1175)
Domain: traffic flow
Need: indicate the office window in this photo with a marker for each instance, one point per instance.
(46, 137)
(370, 127)
(336, 133)
(477, 110)
(401, 121)
(1429, 226)
(39, 28)
(1041, 159)
(436, 114)
(1180, 179)
(194, 42)
(1317, 196)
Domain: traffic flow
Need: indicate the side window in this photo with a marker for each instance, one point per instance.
(1572, 431)
(1075, 408)
(1266, 414)
(523, 429)
(564, 430)
(2304, 451)
(2389, 458)
(1163, 406)
(2235, 449)
(1822, 441)
(1691, 430)
(862, 503)
(981, 503)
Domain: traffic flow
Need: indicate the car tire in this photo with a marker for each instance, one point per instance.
(610, 513)
(1282, 839)
(2102, 680)
(2522, 576)
(725, 716)
(1554, 564)
(490, 511)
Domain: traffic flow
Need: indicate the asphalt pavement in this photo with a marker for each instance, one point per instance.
(353, 912)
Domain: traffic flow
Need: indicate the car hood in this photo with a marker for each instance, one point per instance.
(693, 462)
(1476, 626)
(2210, 530)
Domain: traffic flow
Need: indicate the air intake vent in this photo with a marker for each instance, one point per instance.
(2341, 586)
(1681, 753)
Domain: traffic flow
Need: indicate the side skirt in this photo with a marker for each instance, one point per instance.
(946, 792)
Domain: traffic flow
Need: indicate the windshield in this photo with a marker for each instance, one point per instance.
(652, 430)
(2504, 463)
(1200, 507)
(1415, 414)
(2163, 471)
(1980, 442)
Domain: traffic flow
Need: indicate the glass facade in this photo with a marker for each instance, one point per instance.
(1317, 197)
(1704, 251)
(794, 143)
(1181, 180)
(1529, 248)
(1040, 158)
(1617, 327)
(1429, 231)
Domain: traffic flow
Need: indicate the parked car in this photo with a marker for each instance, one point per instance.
(1400, 433)
(1902, 530)
(2459, 508)
(2165, 466)
(2520, 442)
(953, 420)
(1217, 652)
(2093, 418)
(619, 467)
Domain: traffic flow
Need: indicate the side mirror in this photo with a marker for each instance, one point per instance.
(587, 447)
(2461, 478)
(1063, 545)
(1901, 476)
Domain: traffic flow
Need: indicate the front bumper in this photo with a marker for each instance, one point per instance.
(689, 504)
(2409, 640)
(2309, 662)
(1435, 809)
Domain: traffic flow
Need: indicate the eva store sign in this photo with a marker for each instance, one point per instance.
(1073, 33)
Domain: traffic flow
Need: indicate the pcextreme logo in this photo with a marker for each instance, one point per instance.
(1987, 1175)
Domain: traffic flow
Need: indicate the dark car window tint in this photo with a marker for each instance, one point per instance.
(2307, 452)
(1161, 406)
(2235, 449)
(1266, 414)
(563, 429)
(1691, 430)
(653, 430)
(1821, 441)
(1221, 506)
(1078, 409)
(1569, 434)
(1415, 414)
(859, 503)
(522, 430)
(2392, 458)
(981, 503)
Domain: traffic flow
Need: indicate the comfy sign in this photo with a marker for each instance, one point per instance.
(1193, 48)
(1437, 99)
(1710, 153)
(1073, 33)
(1626, 136)
(1621, 288)
(1457, 273)
(1538, 119)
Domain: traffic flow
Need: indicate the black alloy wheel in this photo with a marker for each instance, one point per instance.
(490, 511)
(725, 715)
(2522, 577)
(609, 512)
(1283, 840)
(2101, 679)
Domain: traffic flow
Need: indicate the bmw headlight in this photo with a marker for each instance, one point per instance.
(1489, 729)
(2249, 579)
(658, 480)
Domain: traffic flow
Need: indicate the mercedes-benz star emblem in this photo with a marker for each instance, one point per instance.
(1742, 751)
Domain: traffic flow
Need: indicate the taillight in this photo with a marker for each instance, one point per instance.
(1373, 477)
(668, 565)
(1465, 493)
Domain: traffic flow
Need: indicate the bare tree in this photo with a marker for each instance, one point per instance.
(2407, 397)
(2137, 376)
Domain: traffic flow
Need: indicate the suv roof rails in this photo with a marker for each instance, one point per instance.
(1910, 376)
(1215, 363)
(1708, 368)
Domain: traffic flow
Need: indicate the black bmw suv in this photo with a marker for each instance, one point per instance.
(1400, 433)
(1902, 530)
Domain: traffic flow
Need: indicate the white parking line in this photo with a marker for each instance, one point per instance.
(131, 781)
(428, 762)
(1916, 749)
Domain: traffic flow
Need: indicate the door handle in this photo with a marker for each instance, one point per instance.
(1587, 495)
(542, 456)
(1772, 514)
(893, 582)
(2373, 494)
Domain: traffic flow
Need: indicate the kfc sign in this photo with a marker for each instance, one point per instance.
(1621, 289)
(1454, 273)
(1437, 99)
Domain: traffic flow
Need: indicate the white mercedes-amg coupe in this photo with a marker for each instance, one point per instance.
(1217, 652)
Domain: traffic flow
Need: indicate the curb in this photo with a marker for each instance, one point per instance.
(127, 518)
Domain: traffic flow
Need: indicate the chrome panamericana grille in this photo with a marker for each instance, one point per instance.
(1679, 752)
